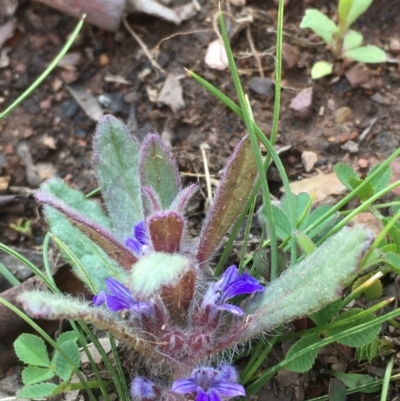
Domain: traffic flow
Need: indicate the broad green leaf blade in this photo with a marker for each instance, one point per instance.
(302, 202)
(357, 8)
(67, 336)
(344, 172)
(324, 315)
(305, 362)
(116, 162)
(305, 243)
(324, 226)
(96, 263)
(321, 69)
(343, 11)
(283, 227)
(352, 380)
(359, 339)
(366, 54)
(352, 40)
(31, 350)
(35, 374)
(337, 390)
(40, 390)
(381, 181)
(365, 192)
(63, 368)
(320, 24)
(158, 170)
(289, 297)
(393, 261)
(234, 188)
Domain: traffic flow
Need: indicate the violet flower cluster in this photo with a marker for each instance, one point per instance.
(207, 383)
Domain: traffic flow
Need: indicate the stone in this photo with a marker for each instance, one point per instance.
(302, 105)
(265, 87)
(309, 159)
(342, 114)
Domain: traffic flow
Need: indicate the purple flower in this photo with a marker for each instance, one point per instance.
(143, 389)
(210, 384)
(120, 298)
(230, 285)
(137, 243)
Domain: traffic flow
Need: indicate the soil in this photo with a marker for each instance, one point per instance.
(50, 134)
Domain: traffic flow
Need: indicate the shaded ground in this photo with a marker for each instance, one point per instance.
(52, 129)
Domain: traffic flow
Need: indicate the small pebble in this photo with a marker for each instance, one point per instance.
(350, 146)
(45, 104)
(362, 163)
(68, 108)
(342, 114)
(104, 60)
(394, 45)
(265, 87)
(302, 105)
(309, 159)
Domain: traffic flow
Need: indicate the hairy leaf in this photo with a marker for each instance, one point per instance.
(31, 350)
(116, 162)
(311, 284)
(100, 236)
(166, 230)
(233, 191)
(158, 170)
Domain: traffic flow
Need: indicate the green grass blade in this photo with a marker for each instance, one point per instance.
(46, 72)
(8, 275)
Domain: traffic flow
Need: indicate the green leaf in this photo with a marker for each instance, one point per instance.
(236, 183)
(324, 226)
(63, 368)
(344, 172)
(337, 390)
(116, 163)
(366, 54)
(321, 69)
(305, 243)
(361, 338)
(381, 181)
(333, 263)
(306, 361)
(373, 292)
(158, 170)
(324, 315)
(40, 390)
(31, 350)
(67, 336)
(352, 40)
(393, 261)
(96, 263)
(350, 11)
(301, 203)
(352, 380)
(320, 24)
(35, 374)
(366, 192)
(283, 227)
(343, 11)
(369, 351)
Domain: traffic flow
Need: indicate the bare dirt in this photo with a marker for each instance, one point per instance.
(51, 135)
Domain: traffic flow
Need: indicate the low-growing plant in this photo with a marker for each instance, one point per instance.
(152, 282)
(342, 41)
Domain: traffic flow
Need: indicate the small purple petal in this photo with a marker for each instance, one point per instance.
(229, 389)
(143, 389)
(184, 386)
(228, 373)
(133, 245)
(209, 396)
(140, 233)
(243, 285)
(230, 308)
(99, 299)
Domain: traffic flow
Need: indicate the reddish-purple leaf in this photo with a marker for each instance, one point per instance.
(166, 229)
(234, 188)
(151, 201)
(184, 197)
(100, 236)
